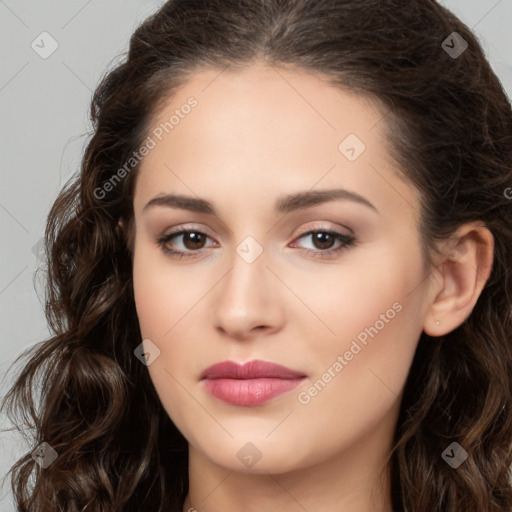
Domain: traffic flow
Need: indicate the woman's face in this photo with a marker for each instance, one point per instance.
(249, 283)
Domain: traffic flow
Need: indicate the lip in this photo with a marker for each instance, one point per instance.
(249, 384)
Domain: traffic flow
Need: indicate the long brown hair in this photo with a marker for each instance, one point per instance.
(450, 130)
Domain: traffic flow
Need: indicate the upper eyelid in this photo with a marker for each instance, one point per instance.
(323, 228)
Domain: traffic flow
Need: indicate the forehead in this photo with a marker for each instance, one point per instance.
(262, 96)
(265, 129)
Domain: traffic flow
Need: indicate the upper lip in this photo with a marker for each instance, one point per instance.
(255, 369)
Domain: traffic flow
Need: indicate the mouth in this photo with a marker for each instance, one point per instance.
(249, 384)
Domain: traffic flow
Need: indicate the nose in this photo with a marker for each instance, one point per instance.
(248, 300)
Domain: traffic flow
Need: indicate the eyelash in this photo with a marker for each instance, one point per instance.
(347, 241)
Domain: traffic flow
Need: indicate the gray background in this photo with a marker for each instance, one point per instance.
(44, 128)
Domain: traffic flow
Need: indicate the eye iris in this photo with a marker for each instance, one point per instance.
(193, 237)
(323, 238)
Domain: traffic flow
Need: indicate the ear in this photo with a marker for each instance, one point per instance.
(459, 278)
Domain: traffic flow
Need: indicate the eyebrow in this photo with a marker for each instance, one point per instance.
(284, 204)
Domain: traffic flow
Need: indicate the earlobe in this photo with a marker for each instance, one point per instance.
(464, 270)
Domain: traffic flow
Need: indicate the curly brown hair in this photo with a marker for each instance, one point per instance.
(450, 127)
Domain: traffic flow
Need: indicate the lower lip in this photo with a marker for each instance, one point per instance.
(249, 391)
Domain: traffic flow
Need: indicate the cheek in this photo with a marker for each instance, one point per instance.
(165, 313)
(374, 317)
(159, 310)
(356, 386)
(368, 288)
(163, 293)
(164, 317)
(157, 307)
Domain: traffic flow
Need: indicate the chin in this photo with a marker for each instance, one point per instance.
(256, 455)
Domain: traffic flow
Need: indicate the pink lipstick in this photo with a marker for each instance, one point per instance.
(252, 383)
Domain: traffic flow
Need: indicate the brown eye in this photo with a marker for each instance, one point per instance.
(192, 241)
(324, 241)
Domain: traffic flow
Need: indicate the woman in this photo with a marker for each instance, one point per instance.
(283, 279)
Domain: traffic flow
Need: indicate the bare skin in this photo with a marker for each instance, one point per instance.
(255, 136)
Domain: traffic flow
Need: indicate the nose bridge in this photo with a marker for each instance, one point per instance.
(245, 300)
(247, 279)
